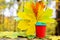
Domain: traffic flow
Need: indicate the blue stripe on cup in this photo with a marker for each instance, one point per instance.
(41, 24)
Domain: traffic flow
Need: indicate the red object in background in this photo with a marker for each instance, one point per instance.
(40, 31)
(36, 7)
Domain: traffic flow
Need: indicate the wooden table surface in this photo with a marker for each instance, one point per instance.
(50, 38)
